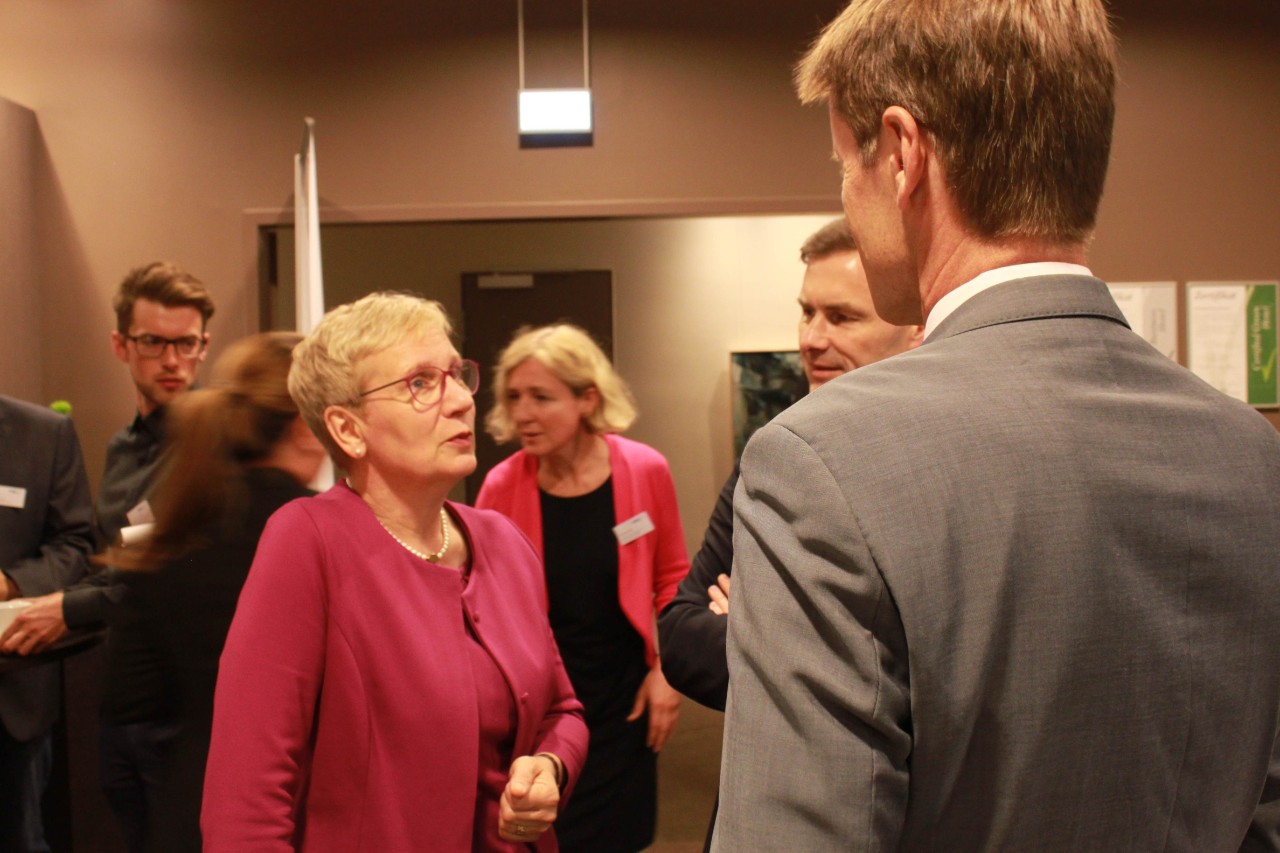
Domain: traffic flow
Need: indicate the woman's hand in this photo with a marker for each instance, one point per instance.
(719, 595)
(664, 707)
(530, 801)
(37, 627)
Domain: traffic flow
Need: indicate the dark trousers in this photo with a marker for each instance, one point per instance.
(24, 775)
(133, 756)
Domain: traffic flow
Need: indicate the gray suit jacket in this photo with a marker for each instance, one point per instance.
(45, 544)
(1014, 590)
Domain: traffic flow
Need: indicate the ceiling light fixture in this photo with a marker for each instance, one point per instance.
(555, 117)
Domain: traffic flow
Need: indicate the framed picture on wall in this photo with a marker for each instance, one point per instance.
(762, 385)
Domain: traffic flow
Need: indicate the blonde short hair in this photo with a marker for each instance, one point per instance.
(324, 363)
(577, 361)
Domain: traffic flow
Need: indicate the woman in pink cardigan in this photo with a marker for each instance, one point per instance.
(601, 511)
(390, 682)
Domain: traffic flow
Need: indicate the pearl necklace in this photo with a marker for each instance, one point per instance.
(444, 535)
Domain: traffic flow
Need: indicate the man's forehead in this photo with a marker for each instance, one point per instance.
(155, 318)
(825, 302)
(838, 277)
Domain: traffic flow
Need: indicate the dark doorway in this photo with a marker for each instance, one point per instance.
(492, 314)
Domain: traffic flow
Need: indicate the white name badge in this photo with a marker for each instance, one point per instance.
(140, 514)
(13, 497)
(135, 534)
(633, 528)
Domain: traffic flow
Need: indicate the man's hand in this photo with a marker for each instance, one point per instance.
(719, 595)
(36, 627)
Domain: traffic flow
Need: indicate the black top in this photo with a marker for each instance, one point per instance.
(692, 638)
(136, 682)
(613, 807)
(581, 558)
(132, 456)
(182, 613)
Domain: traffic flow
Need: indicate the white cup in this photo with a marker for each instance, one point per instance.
(9, 611)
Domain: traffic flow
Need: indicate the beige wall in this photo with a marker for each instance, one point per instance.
(165, 123)
(168, 129)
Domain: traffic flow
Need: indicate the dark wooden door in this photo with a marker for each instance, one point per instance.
(492, 314)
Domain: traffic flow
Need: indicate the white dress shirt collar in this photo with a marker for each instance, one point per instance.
(962, 294)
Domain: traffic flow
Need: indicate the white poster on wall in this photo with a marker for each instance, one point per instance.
(1151, 308)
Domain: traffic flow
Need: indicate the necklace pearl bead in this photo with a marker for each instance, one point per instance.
(444, 536)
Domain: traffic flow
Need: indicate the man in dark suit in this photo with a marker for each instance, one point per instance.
(1015, 589)
(839, 331)
(46, 537)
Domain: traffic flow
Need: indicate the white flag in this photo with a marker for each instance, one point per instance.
(309, 281)
(309, 284)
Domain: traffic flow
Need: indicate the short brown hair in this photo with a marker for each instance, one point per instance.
(1017, 97)
(577, 361)
(165, 284)
(830, 239)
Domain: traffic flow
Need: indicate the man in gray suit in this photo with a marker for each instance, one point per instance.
(46, 537)
(1014, 589)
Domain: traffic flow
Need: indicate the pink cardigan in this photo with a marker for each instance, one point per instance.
(649, 568)
(346, 718)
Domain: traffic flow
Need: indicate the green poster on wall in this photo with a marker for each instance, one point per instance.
(1232, 338)
(1263, 390)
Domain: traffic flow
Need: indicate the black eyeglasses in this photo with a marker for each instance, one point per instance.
(153, 346)
(426, 384)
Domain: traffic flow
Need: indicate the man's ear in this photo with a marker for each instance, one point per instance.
(916, 338)
(120, 346)
(909, 150)
(204, 350)
(346, 429)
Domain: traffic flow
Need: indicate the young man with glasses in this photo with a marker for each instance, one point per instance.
(162, 314)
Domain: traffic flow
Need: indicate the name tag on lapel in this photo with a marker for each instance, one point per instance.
(13, 497)
(633, 528)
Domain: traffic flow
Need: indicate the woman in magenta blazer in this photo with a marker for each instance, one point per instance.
(601, 511)
(390, 681)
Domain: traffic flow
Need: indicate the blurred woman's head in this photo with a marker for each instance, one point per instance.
(249, 383)
(550, 380)
(381, 384)
(244, 419)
